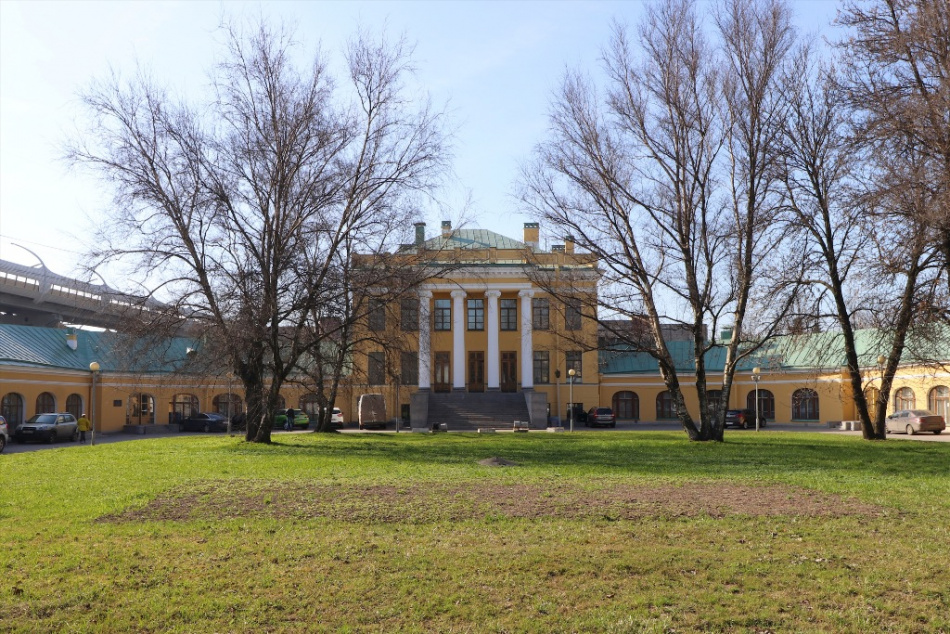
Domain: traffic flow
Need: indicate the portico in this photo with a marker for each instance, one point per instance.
(468, 358)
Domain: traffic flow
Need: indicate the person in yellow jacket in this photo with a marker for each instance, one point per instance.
(84, 425)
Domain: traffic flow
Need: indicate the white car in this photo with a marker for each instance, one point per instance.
(4, 434)
(336, 418)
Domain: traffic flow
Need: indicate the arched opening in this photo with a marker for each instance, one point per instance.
(141, 410)
(805, 404)
(45, 403)
(184, 405)
(626, 405)
(280, 403)
(227, 404)
(766, 403)
(310, 405)
(664, 406)
(939, 402)
(74, 405)
(11, 408)
(905, 398)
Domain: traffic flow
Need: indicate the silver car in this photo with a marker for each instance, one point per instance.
(914, 421)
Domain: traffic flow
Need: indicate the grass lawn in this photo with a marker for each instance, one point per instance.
(585, 532)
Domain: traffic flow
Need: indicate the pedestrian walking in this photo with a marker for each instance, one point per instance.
(84, 425)
(289, 423)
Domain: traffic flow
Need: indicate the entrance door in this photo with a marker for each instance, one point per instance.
(476, 371)
(443, 374)
(509, 372)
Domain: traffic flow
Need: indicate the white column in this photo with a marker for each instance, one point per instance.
(527, 344)
(458, 340)
(425, 341)
(494, 359)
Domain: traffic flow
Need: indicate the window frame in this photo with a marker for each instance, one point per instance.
(442, 314)
(475, 314)
(540, 313)
(508, 318)
(376, 368)
(541, 366)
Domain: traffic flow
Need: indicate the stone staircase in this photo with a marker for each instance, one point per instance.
(469, 411)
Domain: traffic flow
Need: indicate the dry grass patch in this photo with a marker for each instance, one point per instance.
(434, 502)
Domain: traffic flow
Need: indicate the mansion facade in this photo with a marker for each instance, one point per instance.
(501, 331)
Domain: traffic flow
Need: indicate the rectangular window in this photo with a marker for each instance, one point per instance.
(377, 315)
(410, 368)
(476, 314)
(572, 315)
(376, 368)
(409, 315)
(443, 314)
(572, 359)
(540, 314)
(542, 366)
(509, 314)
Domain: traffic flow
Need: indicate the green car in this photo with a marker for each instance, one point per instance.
(301, 420)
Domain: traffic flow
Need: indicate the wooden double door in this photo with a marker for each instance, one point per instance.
(442, 381)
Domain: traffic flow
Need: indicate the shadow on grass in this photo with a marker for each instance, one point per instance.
(653, 453)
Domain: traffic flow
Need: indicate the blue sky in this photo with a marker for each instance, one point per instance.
(494, 64)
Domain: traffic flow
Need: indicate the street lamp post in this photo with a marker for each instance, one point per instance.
(230, 378)
(571, 374)
(756, 375)
(94, 369)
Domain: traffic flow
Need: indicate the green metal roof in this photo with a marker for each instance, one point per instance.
(47, 347)
(473, 239)
(816, 351)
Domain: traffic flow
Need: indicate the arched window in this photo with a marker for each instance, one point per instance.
(310, 405)
(227, 404)
(141, 410)
(713, 400)
(664, 406)
(766, 403)
(626, 406)
(939, 402)
(184, 405)
(905, 398)
(805, 404)
(74, 405)
(45, 403)
(11, 408)
(281, 403)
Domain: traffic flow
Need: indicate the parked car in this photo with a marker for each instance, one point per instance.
(4, 434)
(301, 420)
(743, 418)
(49, 428)
(204, 421)
(600, 416)
(914, 421)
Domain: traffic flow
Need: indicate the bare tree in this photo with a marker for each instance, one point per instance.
(638, 180)
(896, 78)
(245, 212)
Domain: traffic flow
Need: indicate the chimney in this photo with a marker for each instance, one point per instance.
(446, 228)
(72, 339)
(531, 235)
(569, 245)
(420, 233)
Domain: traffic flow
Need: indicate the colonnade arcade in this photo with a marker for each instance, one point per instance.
(499, 372)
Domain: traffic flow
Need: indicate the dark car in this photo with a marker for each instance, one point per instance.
(597, 416)
(48, 428)
(743, 418)
(206, 422)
